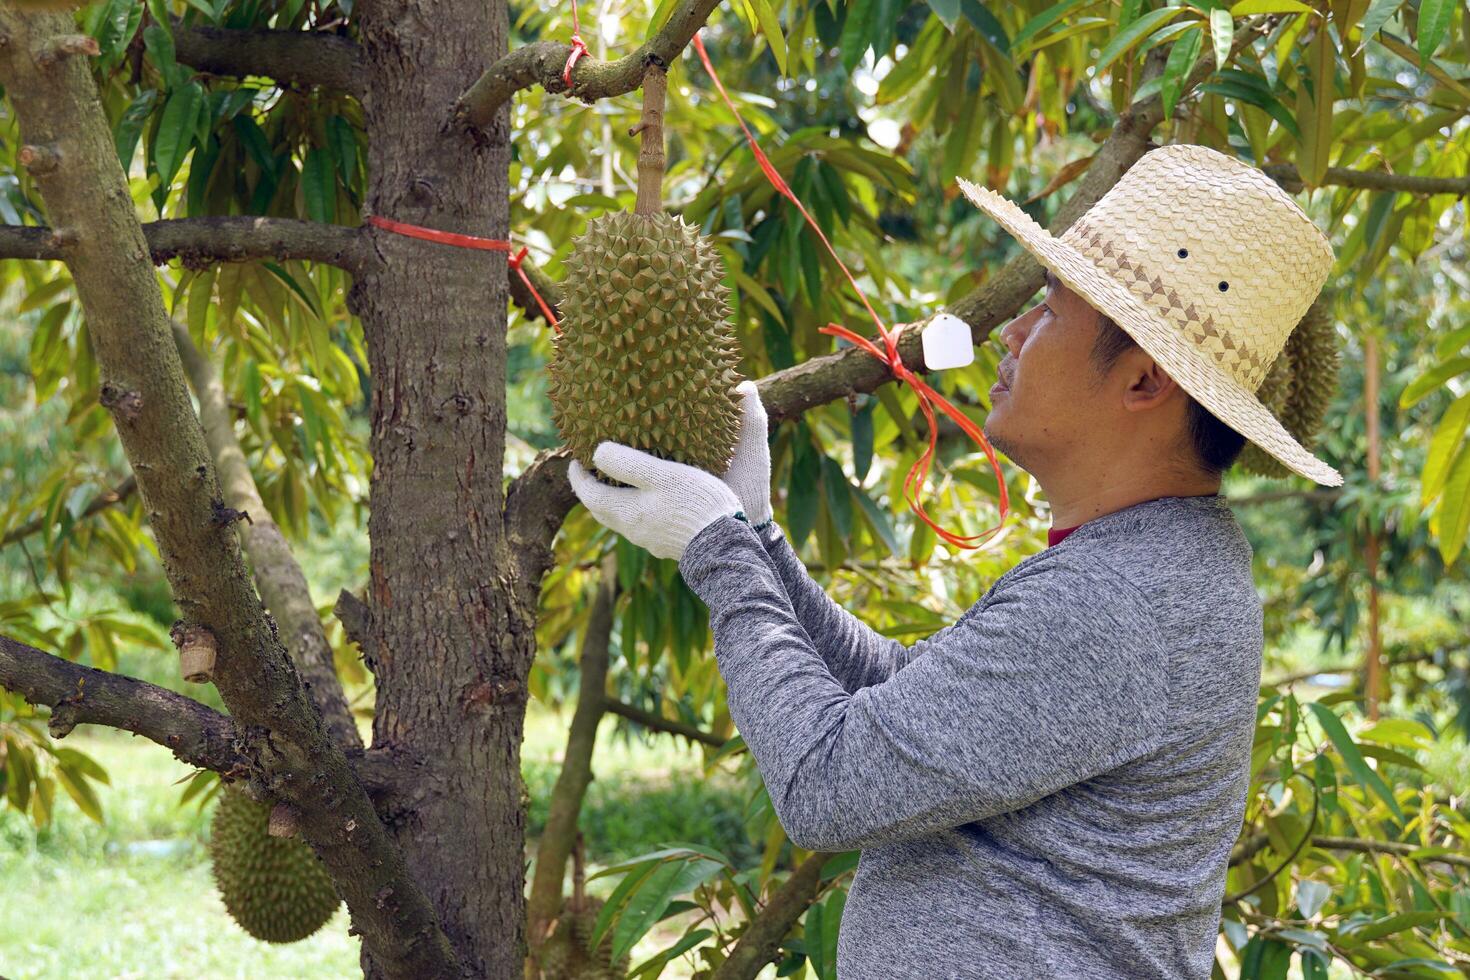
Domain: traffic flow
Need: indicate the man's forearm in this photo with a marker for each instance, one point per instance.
(856, 654)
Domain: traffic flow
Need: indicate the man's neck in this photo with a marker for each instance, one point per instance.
(1075, 502)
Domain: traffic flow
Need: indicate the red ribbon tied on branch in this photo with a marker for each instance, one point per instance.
(513, 259)
(578, 47)
(919, 473)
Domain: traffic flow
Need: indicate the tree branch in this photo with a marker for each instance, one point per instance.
(56, 105)
(759, 943)
(103, 500)
(1290, 180)
(300, 58)
(521, 296)
(282, 584)
(201, 241)
(77, 695)
(1257, 842)
(536, 503)
(1324, 495)
(661, 724)
(545, 901)
(543, 62)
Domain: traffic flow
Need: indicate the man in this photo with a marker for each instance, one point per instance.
(1051, 786)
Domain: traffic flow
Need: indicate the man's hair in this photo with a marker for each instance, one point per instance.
(1215, 444)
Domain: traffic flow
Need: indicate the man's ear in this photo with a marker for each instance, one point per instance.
(1149, 385)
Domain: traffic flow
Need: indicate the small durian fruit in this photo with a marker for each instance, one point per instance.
(646, 355)
(1300, 385)
(274, 887)
(567, 953)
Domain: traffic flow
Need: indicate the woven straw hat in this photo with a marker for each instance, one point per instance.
(1204, 261)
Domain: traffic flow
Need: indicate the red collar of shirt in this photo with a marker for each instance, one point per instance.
(1054, 535)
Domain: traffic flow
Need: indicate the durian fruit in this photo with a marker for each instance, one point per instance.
(1300, 385)
(274, 887)
(567, 953)
(646, 355)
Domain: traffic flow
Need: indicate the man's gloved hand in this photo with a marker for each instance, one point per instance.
(749, 474)
(666, 504)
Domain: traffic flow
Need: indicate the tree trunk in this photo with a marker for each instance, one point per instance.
(453, 636)
(545, 902)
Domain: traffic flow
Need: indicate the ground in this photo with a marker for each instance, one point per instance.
(134, 898)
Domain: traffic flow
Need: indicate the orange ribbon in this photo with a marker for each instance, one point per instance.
(889, 355)
(471, 241)
(578, 48)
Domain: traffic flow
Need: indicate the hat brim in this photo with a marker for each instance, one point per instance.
(1194, 371)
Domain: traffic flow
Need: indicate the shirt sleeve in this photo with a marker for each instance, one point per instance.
(1059, 676)
(855, 653)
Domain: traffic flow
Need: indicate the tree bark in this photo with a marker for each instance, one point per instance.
(452, 630)
(77, 695)
(290, 57)
(282, 585)
(56, 104)
(761, 939)
(576, 767)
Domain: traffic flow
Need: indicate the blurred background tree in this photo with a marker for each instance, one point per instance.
(1353, 857)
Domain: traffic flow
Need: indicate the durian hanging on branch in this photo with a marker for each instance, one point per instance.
(646, 355)
(1300, 385)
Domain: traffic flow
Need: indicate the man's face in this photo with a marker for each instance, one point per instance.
(1047, 399)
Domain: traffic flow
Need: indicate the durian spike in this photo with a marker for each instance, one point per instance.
(651, 150)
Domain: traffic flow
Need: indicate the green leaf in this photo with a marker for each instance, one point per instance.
(1434, 21)
(1392, 924)
(1448, 439)
(1432, 379)
(861, 422)
(1379, 12)
(647, 903)
(839, 495)
(1245, 7)
(1454, 507)
(1222, 30)
(856, 32)
(319, 186)
(1041, 22)
(344, 147)
(1132, 34)
(948, 12)
(802, 489)
(115, 28)
(1235, 85)
(1311, 896)
(984, 21)
(1182, 57)
(160, 46)
(176, 128)
(878, 520)
(1346, 748)
(1314, 965)
(80, 791)
(654, 965)
(771, 29)
(130, 126)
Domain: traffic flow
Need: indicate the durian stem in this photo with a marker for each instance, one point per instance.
(579, 874)
(651, 151)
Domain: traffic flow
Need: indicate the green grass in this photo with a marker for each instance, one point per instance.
(133, 897)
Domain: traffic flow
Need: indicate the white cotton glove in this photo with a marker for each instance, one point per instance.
(749, 474)
(666, 504)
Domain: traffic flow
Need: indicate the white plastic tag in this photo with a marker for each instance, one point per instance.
(947, 343)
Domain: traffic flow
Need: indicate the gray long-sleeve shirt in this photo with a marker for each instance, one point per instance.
(1051, 786)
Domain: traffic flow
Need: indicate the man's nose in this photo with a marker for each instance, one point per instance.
(1013, 334)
